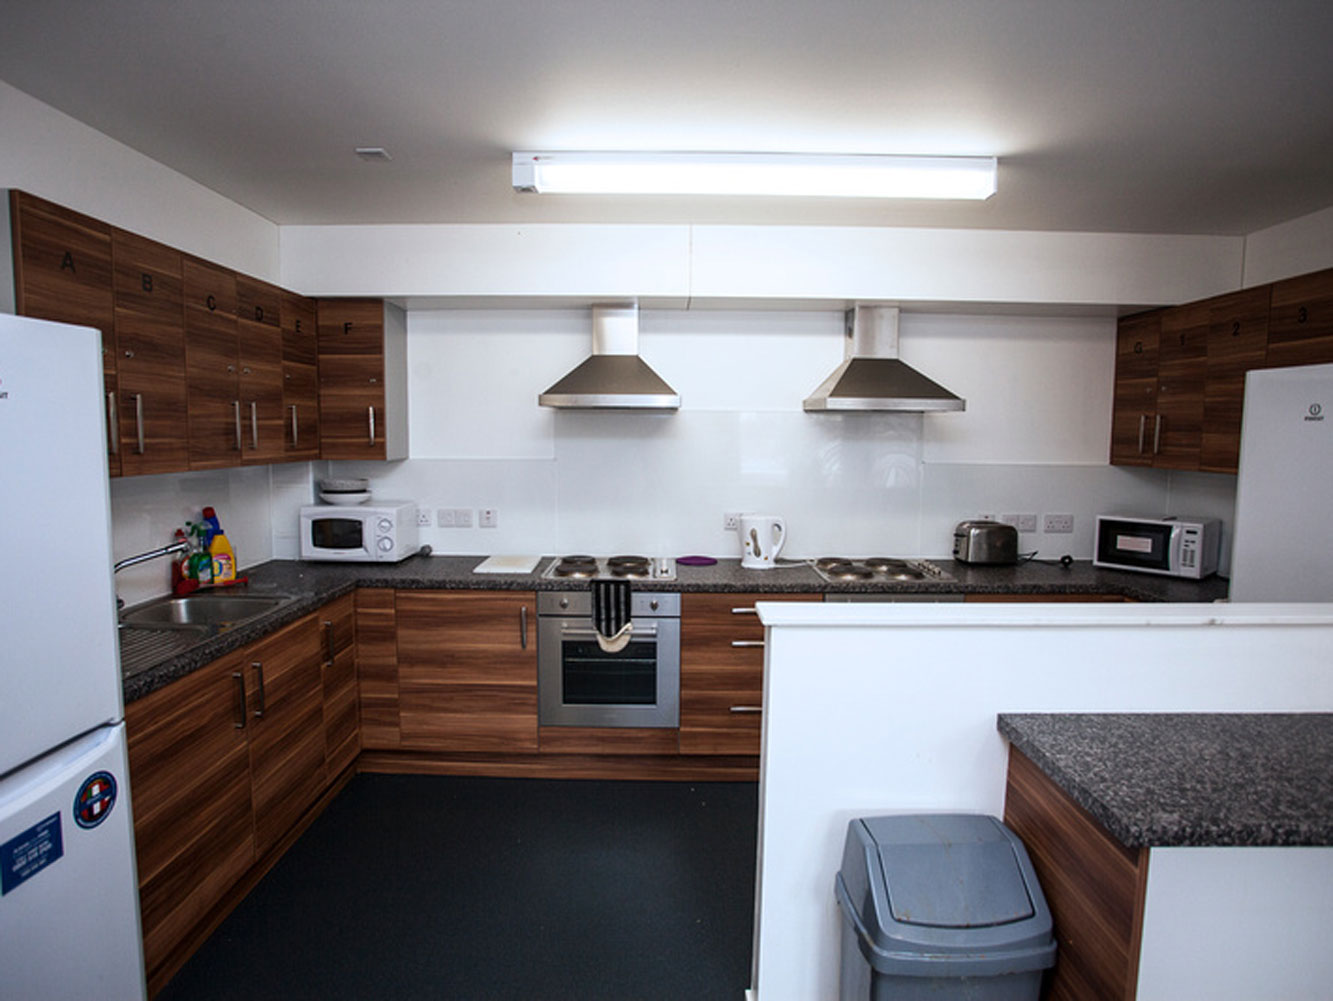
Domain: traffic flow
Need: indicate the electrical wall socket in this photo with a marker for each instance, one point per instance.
(463, 517)
(731, 521)
(486, 517)
(1022, 522)
(1058, 524)
(423, 517)
(444, 517)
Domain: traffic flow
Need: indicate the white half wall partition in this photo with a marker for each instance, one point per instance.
(876, 709)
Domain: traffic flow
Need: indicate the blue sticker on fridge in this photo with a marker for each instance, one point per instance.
(26, 855)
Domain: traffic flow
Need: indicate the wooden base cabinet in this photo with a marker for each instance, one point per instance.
(467, 670)
(722, 672)
(342, 727)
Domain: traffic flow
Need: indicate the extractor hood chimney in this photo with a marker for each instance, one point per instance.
(872, 377)
(614, 377)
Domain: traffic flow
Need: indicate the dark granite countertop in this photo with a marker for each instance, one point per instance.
(1190, 779)
(312, 584)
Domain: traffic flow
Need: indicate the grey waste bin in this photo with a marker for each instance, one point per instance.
(940, 905)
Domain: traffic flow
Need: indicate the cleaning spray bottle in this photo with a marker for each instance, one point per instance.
(222, 556)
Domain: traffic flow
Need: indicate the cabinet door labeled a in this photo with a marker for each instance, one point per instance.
(150, 346)
(212, 365)
(259, 338)
(722, 672)
(1135, 401)
(1237, 342)
(286, 727)
(62, 272)
(1300, 321)
(193, 821)
(467, 670)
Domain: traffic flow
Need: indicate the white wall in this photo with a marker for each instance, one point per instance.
(46, 153)
(1295, 247)
(1033, 439)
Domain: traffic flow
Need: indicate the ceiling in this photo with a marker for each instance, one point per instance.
(1164, 116)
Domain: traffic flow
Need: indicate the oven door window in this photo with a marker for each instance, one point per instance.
(336, 533)
(592, 677)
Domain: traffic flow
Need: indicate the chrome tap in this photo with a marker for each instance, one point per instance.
(179, 546)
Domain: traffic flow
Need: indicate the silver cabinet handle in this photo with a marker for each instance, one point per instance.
(747, 643)
(370, 416)
(296, 438)
(745, 611)
(328, 642)
(112, 423)
(236, 412)
(747, 709)
(254, 425)
(1157, 436)
(1143, 422)
(259, 674)
(138, 419)
(523, 627)
(240, 700)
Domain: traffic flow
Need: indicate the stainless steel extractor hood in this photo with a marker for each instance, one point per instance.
(873, 377)
(614, 377)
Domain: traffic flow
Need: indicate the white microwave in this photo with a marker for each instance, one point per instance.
(1176, 546)
(383, 532)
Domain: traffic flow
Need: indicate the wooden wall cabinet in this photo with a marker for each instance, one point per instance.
(1159, 388)
(362, 379)
(722, 672)
(150, 362)
(212, 362)
(259, 340)
(342, 728)
(62, 272)
(1135, 399)
(467, 670)
(300, 378)
(1300, 321)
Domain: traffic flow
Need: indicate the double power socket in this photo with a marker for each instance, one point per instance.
(457, 517)
(1051, 524)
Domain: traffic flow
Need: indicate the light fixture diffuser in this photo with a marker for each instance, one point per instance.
(800, 174)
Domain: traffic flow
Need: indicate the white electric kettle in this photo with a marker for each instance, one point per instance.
(762, 536)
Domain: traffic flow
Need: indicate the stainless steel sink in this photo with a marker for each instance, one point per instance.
(215, 610)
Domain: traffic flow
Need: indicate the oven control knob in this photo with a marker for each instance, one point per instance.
(653, 604)
(564, 602)
(386, 544)
(385, 524)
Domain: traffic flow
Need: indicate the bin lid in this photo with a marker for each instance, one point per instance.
(950, 871)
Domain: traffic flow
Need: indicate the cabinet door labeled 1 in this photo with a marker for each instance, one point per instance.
(1182, 362)
(150, 345)
(1237, 342)
(62, 272)
(467, 670)
(286, 727)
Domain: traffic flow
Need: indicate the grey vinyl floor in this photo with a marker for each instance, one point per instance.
(475, 888)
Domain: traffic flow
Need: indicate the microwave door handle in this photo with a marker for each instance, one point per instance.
(1174, 547)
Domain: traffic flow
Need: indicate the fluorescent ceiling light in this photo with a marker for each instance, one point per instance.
(850, 176)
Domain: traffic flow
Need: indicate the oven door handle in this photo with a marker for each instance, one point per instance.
(584, 633)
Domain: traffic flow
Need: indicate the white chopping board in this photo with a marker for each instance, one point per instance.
(507, 564)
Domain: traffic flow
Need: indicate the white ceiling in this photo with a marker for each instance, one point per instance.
(1173, 116)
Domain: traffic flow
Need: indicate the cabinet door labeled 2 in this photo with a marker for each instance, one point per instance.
(722, 672)
(62, 272)
(1237, 342)
(193, 821)
(286, 727)
(467, 670)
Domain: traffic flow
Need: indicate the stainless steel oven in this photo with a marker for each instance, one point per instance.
(581, 683)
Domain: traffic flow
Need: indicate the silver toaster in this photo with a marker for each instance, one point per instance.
(985, 542)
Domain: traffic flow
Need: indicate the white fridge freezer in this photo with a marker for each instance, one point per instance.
(1283, 534)
(69, 921)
